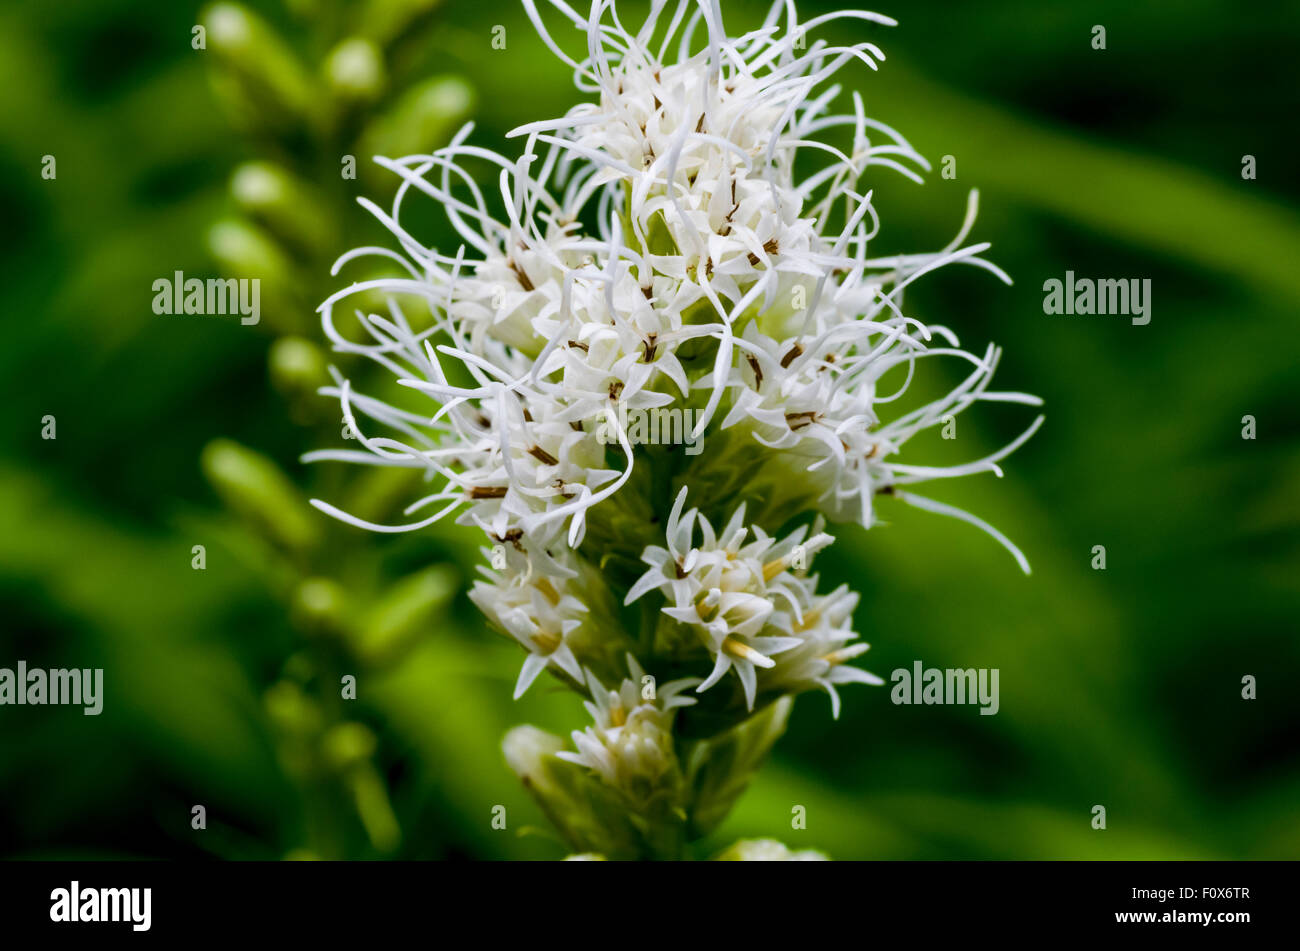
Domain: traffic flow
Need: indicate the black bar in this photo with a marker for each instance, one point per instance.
(578, 901)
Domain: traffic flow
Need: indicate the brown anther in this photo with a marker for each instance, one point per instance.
(769, 246)
(519, 273)
(488, 492)
(758, 370)
(735, 207)
(511, 537)
(581, 346)
(541, 455)
(615, 389)
(789, 358)
(800, 420)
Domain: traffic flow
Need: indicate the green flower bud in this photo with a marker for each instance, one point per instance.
(298, 367)
(255, 488)
(386, 20)
(318, 606)
(291, 710)
(404, 612)
(284, 205)
(355, 71)
(244, 251)
(260, 80)
(346, 745)
(423, 119)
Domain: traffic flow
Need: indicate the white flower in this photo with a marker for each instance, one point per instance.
(705, 244)
(537, 613)
(817, 397)
(768, 850)
(630, 744)
(821, 658)
(556, 607)
(741, 598)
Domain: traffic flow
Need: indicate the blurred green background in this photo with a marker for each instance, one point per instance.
(1119, 687)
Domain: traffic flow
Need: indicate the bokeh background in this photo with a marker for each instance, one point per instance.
(1119, 687)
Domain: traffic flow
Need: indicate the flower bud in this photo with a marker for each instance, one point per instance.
(767, 850)
(246, 252)
(284, 205)
(298, 368)
(587, 814)
(346, 745)
(318, 606)
(291, 710)
(355, 71)
(260, 80)
(423, 119)
(255, 488)
(386, 20)
(404, 612)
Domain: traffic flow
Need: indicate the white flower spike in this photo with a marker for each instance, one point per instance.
(691, 242)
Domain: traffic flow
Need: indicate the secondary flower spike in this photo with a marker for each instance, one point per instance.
(693, 239)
